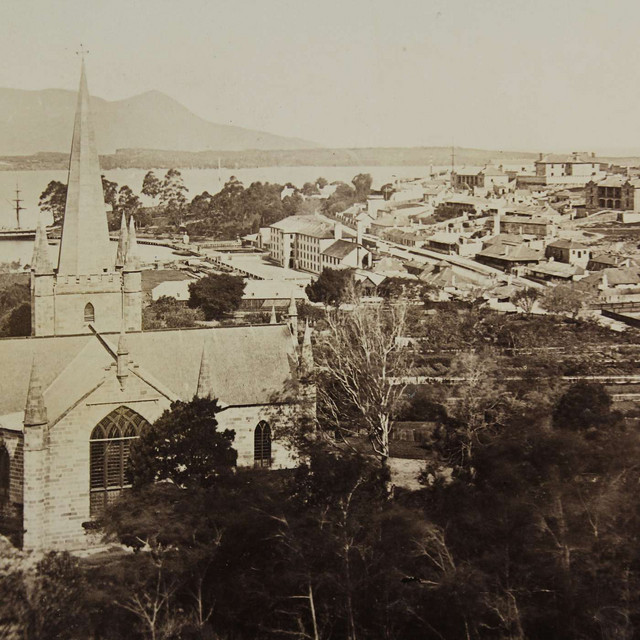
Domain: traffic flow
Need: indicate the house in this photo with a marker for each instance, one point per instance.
(265, 295)
(479, 178)
(613, 192)
(526, 224)
(507, 256)
(345, 254)
(575, 168)
(89, 381)
(600, 261)
(555, 271)
(568, 251)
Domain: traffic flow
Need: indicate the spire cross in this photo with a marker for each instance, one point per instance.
(82, 52)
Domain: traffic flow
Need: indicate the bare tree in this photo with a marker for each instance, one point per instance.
(363, 367)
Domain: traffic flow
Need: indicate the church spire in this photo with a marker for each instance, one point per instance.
(293, 317)
(306, 352)
(84, 246)
(273, 319)
(123, 241)
(205, 381)
(41, 261)
(35, 412)
(132, 261)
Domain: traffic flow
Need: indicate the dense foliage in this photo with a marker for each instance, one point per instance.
(168, 313)
(217, 294)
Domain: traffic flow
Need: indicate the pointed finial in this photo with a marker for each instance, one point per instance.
(132, 262)
(205, 381)
(293, 309)
(35, 412)
(123, 241)
(273, 319)
(41, 261)
(82, 52)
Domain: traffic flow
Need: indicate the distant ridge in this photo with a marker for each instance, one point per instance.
(321, 157)
(42, 121)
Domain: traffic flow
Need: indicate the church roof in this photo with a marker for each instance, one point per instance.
(249, 364)
(84, 246)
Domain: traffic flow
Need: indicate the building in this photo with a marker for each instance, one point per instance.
(530, 224)
(299, 242)
(569, 252)
(613, 192)
(507, 257)
(575, 168)
(78, 393)
(479, 178)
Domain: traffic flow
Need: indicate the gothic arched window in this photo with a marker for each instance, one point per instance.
(109, 455)
(5, 473)
(262, 445)
(89, 313)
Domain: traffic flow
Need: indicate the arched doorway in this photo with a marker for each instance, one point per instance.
(262, 445)
(110, 447)
(89, 313)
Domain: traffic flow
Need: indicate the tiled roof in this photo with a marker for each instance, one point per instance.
(313, 225)
(511, 253)
(340, 249)
(564, 243)
(251, 364)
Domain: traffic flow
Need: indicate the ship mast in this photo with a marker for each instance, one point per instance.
(18, 202)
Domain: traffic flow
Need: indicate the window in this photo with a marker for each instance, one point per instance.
(110, 446)
(89, 313)
(5, 474)
(262, 445)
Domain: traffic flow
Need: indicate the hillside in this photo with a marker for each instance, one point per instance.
(42, 121)
(363, 157)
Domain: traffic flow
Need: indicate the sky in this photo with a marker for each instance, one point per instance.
(529, 75)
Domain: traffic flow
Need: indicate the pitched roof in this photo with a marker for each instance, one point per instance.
(565, 243)
(250, 364)
(340, 249)
(510, 253)
(579, 158)
(313, 225)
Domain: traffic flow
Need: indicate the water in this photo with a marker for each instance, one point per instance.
(33, 183)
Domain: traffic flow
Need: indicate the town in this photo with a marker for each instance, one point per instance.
(344, 346)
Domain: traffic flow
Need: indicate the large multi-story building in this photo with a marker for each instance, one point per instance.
(613, 192)
(314, 242)
(573, 169)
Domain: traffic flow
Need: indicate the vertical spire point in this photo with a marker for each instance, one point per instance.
(205, 381)
(123, 241)
(35, 412)
(132, 262)
(41, 261)
(273, 319)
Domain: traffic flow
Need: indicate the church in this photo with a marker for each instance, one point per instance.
(77, 393)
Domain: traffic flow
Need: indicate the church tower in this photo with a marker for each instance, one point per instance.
(91, 286)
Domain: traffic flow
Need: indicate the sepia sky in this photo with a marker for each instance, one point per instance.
(500, 74)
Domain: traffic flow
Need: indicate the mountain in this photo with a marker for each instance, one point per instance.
(42, 121)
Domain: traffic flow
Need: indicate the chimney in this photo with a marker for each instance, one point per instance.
(496, 224)
(359, 225)
(539, 157)
(337, 231)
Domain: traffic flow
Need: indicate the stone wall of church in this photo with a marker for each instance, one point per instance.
(70, 302)
(11, 509)
(67, 495)
(244, 420)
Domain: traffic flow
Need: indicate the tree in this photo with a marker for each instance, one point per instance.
(321, 183)
(217, 294)
(173, 195)
(563, 299)
(363, 367)
(168, 313)
(387, 190)
(362, 183)
(184, 445)
(110, 190)
(525, 298)
(151, 185)
(584, 406)
(53, 200)
(310, 189)
(19, 321)
(331, 286)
